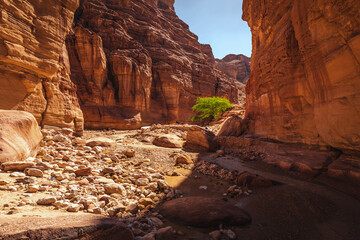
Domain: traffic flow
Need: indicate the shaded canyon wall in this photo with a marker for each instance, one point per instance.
(305, 72)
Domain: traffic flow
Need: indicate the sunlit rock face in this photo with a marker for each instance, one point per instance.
(235, 66)
(305, 72)
(34, 68)
(135, 62)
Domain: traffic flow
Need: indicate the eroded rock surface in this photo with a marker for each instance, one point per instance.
(304, 85)
(135, 62)
(20, 136)
(235, 66)
(34, 68)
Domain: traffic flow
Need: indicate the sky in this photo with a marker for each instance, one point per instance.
(218, 23)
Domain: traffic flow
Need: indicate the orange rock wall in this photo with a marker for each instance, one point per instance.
(34, 68)
(305, 72)
(135, 63)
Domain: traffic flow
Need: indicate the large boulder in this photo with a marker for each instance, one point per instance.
(199, 139)
(234, 126)
(204, 212)
(20, 136)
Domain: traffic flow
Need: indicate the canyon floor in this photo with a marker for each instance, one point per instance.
(71, 191)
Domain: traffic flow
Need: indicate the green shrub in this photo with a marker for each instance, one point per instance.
(210, 107)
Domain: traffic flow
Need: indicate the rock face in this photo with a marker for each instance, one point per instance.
(235, 66)
(20, 136)
(34, 69)
(305, 73)
(135, 62)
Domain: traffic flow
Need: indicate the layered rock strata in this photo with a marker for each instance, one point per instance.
(305, 73)
(135, 63)
(34, 68)
(235, 66)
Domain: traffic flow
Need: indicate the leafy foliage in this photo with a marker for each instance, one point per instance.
(210, 107)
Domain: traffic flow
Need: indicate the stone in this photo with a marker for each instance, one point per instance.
(4, 182)
(204, 212)
(34, 172)
(168, 141)
(114, 188)
(20, 135)
(32, 188)
(129, 152)
(215, 235)
(73, 208)
(17, 166)
(201, 140)
(146, 201)
(142, 181)
(229, 233)
(132, 208)
(46, 201)
(100, 141)
(165, 233)
(304, 84)
(83, 172)
(183, 159)
(34, 68)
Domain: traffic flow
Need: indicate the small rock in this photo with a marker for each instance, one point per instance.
(83, 172)
(168, 141)
(142, 181)
(34, 172)
(183, 159)
(32, 188)
(132, 208)
(4, 182)
(203, 187)
(165, 233)
(215, 235)
(46, 201)
(146, 201)
(229, 233)
(73, 208)
(114, 188)
(129, 152)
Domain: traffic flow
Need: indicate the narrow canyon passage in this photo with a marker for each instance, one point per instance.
(96, 136)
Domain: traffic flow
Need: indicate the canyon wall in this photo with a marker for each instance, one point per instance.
(235, 66)
(135, 62)
(305, 72)
(34, 67)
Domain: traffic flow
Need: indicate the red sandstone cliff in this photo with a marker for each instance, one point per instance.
(305, 73)
(34, 68)
(135, 62)
(235, 66)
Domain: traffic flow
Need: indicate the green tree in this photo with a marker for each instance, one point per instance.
(210, 107)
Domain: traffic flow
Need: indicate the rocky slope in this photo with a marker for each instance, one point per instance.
(235, 66)
(34, 71)
(305, 74)
(135, 62)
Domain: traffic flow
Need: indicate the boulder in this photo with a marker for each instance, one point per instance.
(169, 141)
(234, 126)
(199, 139)
(20, 136)
(204, 212)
